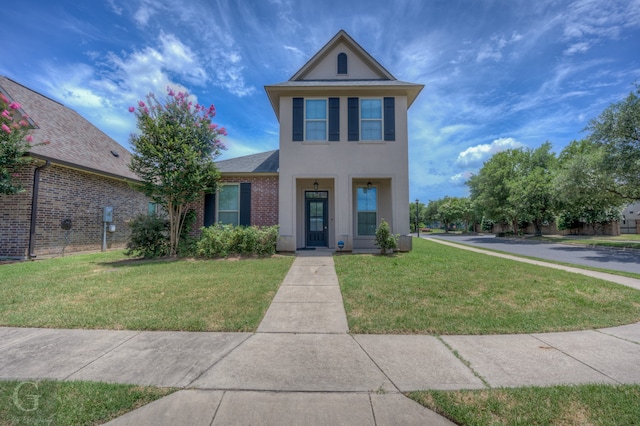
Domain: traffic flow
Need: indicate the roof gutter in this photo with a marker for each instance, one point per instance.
(34, 207)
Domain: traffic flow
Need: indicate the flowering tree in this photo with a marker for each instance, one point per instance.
(174, 153)
(14, 144)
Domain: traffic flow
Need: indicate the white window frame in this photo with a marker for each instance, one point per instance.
(365, 188)
(218, 210)
(381, 119)
(317, 120)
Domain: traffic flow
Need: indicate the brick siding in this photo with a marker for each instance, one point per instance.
(66, 193)
(264, 200)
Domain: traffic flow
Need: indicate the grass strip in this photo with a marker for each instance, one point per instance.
(592, 404)
(436, 289)
(70, 403)
(109, 291)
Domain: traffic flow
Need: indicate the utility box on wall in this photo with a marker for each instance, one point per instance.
(107, 215)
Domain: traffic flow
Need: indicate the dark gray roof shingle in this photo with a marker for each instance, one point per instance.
(264, 162)
(73, 141)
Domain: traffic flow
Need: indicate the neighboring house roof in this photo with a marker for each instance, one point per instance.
(73, 141)
(265, 162)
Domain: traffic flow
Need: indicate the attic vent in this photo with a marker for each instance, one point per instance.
(115, 154)
(342, 63)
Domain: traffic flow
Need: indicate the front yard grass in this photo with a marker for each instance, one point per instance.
(559, 405)
(109, 291)
(436, 289)
(70, 403)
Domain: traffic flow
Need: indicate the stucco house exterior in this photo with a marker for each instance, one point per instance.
(79, 172)
(342, 163)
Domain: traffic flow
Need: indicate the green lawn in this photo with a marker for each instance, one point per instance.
(436, 289)
(70, 403)
(621, 241)
(109, 291)
(556, 405)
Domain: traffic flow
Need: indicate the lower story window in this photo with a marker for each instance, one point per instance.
(367, 205)
(229, 205)
(152, 208)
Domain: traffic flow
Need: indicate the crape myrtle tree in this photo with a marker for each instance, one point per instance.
(173, 154)
(15, 142)
(617, 131)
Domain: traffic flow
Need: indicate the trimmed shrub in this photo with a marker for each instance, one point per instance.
(222, 240)
(384, 238)
(149, 236)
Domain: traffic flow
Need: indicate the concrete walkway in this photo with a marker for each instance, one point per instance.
(302, 367)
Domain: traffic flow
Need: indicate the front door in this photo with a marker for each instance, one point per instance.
(316, 219)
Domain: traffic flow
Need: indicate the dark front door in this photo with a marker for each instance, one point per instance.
(317, 224)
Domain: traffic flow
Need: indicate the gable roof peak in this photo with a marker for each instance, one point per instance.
(342, 37)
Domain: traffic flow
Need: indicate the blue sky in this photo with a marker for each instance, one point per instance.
(497, 74)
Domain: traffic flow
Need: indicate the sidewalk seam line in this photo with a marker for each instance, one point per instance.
(188, 385)
(375, 363)
(103, 355)
(617, 337)
(466, 363)
(215, 412)
(576, 359)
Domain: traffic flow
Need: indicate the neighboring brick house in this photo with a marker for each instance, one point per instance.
(72, 178)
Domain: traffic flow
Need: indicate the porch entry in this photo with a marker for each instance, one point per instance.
(316, 214)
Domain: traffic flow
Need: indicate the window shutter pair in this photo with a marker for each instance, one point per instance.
(245, 206)
(389, 119)
(298, 119)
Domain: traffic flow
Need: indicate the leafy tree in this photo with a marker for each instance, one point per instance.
(581, 186)
(454, 209)
(515, 186)
(531, 192)
(173, 155)
(14, 144)
(617, 131)
(490, 189)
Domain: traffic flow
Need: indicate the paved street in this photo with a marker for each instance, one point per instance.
(617, 260)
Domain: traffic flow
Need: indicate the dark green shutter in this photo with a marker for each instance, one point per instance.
(354, 119)
(245, 204)
(334, 119)
(209, 209)
(389, 119)
(298, 119)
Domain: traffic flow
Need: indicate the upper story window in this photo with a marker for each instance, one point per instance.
(316, 119)
(371, 119)
(342, 63)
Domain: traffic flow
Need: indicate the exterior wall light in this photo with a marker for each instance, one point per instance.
(315, 185)
(369, 184)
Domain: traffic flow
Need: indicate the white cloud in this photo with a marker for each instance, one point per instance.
(460, 178)
(474, 156)
(496, 45)
(577, 48)
(114, 7)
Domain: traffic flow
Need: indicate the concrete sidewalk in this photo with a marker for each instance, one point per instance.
(302, 366)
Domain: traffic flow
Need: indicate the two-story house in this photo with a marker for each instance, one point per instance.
(342, 165)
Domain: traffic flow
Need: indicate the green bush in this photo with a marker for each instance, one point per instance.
(384, 238)
(149, 236)
(222, 240)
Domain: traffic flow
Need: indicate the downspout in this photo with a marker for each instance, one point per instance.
(34, 207)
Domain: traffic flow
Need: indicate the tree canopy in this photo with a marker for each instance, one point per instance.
(173, 154)
(617, 131)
